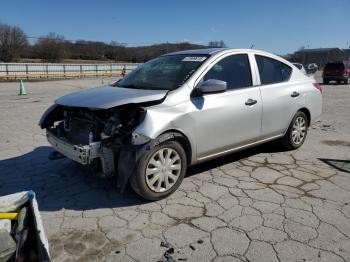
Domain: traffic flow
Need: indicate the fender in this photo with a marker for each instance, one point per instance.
(130, 155)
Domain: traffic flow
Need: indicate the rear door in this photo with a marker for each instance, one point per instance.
(232, 118)
(279, 95)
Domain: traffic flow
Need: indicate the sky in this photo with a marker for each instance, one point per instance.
(278, 26)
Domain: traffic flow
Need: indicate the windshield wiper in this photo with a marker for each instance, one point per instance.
(129, 86)
(145, 85)
(150, 86)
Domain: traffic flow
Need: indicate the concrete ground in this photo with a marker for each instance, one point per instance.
(258, 205)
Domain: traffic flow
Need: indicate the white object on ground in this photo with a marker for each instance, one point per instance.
(11, 203)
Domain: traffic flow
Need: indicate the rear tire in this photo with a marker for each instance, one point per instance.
(325, 82)
(156, 176)
(296, 133)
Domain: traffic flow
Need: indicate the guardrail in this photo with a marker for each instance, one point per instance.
(51, 71)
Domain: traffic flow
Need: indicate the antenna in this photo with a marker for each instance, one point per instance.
(252, 46)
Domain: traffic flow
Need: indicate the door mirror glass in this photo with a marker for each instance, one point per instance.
(212, 86)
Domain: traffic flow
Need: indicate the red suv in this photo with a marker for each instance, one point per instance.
(339, 72)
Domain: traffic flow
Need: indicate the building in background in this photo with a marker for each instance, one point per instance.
(347, 54)
(320, 56)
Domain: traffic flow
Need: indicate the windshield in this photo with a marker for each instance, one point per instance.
(165, 72)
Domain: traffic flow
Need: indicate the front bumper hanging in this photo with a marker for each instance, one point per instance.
(128, 158)
(81, 154)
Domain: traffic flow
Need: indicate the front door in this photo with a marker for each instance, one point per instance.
(228, 120)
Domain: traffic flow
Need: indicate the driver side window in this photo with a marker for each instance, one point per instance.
(234, 70)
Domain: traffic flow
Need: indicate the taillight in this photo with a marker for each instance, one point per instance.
(318, 86)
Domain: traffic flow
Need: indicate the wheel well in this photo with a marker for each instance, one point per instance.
(307, 113)
(183, 140)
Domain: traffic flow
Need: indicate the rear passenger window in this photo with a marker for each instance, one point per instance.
(272, 71)
(235, 70)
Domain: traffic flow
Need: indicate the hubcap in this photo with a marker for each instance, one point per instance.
(299, 130)
(163, 170)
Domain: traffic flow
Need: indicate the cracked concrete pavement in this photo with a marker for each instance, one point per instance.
(261, 204)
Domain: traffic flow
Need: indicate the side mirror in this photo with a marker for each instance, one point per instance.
(212, 86)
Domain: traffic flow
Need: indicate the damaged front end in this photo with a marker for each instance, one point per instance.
(102, 139)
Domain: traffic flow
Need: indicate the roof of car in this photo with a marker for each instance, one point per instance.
(211, 51)
(206, 51)
(217, 51)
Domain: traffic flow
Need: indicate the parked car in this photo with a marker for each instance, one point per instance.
(300, 67)
(181, 109)
(311, 68)
(339, 72)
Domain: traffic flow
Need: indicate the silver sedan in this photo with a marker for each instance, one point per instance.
(181, 109)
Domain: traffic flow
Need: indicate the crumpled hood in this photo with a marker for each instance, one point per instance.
(105, 97)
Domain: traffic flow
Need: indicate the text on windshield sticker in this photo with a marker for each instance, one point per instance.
(194, 59)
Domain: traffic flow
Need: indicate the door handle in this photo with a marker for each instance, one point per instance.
(294, 94)
(250, 102)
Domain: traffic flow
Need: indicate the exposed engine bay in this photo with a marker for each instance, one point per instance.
(93, 137)
(82, 126)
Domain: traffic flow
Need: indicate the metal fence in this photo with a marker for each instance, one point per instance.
(48, 70)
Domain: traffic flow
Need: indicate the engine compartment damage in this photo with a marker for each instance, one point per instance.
(101, 139)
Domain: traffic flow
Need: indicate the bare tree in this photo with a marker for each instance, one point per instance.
(217, 44)
(114, 50)
(88, 49)
(51, 48)
(12, 41)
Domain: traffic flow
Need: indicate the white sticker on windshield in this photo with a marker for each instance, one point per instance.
(194, 59)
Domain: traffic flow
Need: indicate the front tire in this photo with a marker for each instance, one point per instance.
(296, 133)
(160, 171)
